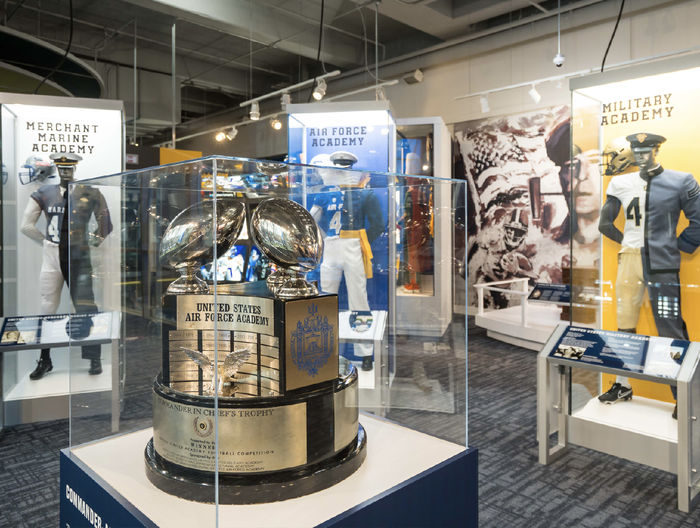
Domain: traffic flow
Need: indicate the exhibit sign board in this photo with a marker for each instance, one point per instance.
(650, 355)
(552, 293)
(364, 129)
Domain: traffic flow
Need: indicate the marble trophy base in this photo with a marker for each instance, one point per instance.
(269, 449)
(253, 489)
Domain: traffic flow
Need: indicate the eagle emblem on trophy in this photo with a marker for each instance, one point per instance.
(312, 342)
(226, 372)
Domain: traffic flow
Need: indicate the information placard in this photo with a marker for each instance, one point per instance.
(553, 293)
(649, 355)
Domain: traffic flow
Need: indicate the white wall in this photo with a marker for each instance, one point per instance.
(646, 29)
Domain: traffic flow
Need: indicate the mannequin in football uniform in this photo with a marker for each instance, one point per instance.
(649, 257)
(84, 202)
(350, 216)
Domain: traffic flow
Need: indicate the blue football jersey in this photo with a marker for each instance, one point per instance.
(331, 204)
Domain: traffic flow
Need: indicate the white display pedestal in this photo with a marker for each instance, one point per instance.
(397, 459)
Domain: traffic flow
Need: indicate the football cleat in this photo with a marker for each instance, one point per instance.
(616, 393)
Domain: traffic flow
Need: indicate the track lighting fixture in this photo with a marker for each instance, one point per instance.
(534, 94)
(227, 133)
(285, 100)
(320, 90)
(254, 111)
(276, 124)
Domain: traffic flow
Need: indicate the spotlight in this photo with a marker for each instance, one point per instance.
(484, 101)
(276, 124)
(220, 136)
(285, 100)
(255, 111)
(320, 90)
(534, 94)
(379, 94)
(232, 133)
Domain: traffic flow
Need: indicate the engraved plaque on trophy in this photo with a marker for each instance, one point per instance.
(259, 360)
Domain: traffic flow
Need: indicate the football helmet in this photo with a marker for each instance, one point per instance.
(79, 327)
(515, 228)
(36, 170)
(361, 321)
(617, 156)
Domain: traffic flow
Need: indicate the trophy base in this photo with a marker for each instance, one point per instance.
(274, 486)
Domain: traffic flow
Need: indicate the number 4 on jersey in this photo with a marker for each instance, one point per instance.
(53, 231)
(335, 224)
(633, 212)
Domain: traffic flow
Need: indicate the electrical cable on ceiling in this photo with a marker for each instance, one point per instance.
(320, 39)
(364, 40)
(63, 59)
(617, 23)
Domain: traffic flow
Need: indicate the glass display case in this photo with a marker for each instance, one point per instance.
(423, 236)
(626, 381)
(45, 142)
(242, 392)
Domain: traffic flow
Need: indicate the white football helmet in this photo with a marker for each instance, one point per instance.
(36, 170)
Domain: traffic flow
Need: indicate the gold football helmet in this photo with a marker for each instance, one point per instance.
(617, 156)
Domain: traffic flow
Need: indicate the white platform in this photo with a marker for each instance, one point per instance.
(367, 379)
(394, 454)
(374, 333)
(61, 381)
(505, 324)
(641, 415)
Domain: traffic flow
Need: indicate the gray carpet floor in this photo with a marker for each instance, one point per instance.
(584, 488)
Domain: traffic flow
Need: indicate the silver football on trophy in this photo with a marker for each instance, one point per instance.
(288, 235)
(189, 240)
(271, 168)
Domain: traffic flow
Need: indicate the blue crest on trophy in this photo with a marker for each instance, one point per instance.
(312, 342)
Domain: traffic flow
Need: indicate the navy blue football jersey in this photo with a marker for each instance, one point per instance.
(84, 202)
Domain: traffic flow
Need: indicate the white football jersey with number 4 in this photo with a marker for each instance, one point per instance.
(631, 190)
